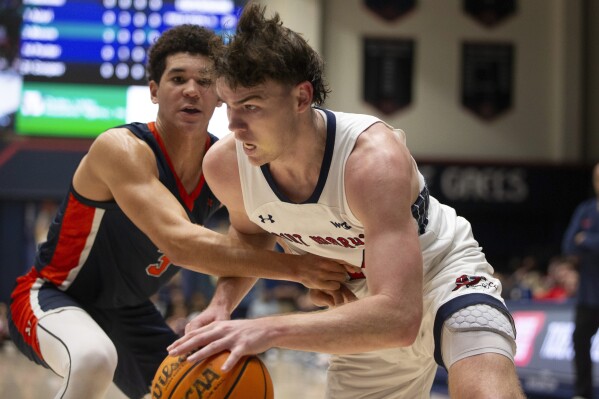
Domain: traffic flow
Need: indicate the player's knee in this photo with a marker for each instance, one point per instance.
(477, 329)
(96, 362)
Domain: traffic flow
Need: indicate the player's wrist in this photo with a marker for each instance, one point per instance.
(221, 305)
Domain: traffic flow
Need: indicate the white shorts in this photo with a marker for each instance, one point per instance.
(456, 275)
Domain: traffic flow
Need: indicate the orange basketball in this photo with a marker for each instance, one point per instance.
(177, 378)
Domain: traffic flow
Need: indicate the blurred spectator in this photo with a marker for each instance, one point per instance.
(524, 280)
(274, 296)
(581, 241)
(561, 281)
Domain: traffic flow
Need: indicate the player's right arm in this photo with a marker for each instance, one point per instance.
(119, 166)
(222, 175)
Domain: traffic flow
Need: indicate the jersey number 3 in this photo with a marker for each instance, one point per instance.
(157, 269)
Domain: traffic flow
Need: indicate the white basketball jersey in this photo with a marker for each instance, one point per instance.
(323, 225)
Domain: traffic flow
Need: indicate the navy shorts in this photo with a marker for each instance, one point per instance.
(138, 332)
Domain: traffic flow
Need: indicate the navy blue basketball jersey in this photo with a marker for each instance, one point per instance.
(99, 257)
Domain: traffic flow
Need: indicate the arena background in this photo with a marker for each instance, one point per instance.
(507, 137)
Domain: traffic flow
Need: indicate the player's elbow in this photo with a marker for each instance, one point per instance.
(413, 328)
(180, 249)
(409, 328)
(404, 325)
(175, 253)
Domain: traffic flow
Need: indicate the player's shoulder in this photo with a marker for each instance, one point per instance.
(221, 156)
(379, 153)
(379, 138)
(117, 138)
(120, 145)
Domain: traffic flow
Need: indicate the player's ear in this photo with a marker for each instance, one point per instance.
(153, 91)
(305, 93)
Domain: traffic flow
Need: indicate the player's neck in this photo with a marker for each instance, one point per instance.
(186, 149)
(298, 170)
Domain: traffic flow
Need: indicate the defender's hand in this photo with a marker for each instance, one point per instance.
(322, 273)
(324, 298)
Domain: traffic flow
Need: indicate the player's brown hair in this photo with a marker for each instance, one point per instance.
(263, 49)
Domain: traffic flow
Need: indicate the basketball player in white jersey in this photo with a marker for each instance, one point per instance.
(345, 186)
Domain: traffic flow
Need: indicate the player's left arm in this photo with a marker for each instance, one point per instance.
(381, 183)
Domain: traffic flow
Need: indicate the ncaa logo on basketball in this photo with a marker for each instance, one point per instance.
(206, 382)
(179, 378)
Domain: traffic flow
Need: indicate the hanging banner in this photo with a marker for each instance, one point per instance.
(390, 10)
(490, 12)
(487, 78)
(388, 68)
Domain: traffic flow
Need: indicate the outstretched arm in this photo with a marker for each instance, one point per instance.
(119, 166)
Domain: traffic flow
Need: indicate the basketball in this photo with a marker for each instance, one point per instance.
(177, 378)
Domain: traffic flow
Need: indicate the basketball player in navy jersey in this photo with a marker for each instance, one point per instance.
(345, 186)
(132, 216)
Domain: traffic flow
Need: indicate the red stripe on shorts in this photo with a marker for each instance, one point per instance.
(22, 312)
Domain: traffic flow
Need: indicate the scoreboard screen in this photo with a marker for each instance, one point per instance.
(73, 68)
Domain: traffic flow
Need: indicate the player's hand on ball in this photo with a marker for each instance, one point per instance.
(239, 337)
(208, 315)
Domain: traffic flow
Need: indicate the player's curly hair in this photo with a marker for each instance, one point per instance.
(187, 38)
(264, 49)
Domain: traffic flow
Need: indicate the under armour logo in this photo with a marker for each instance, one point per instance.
(264, 219)
(341, 225)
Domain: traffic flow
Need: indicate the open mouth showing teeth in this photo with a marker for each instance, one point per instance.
(249, 146)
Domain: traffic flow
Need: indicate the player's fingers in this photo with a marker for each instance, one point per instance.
(329, 285)
(193, 325)
(338, 274)
(231, 361)
(318, 298)
(173, 347)
(208, 346)
(179, 347)
(343, 266)
(352, 269)
(190, 341)
(189, 327)
(348, 295)
(336, 297)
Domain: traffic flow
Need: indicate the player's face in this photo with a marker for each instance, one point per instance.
(186, 94)
(263, 118)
